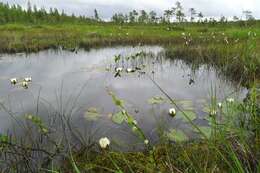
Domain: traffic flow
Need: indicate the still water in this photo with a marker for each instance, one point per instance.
(71, 83)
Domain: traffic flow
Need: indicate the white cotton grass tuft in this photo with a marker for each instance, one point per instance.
(213, 112)
(28, 79)
(172, 112)
(230, 100)
(146, 141)
(25, 85)
(104, 142)
(13, 81)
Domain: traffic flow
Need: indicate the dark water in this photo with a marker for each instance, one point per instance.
(71, 83)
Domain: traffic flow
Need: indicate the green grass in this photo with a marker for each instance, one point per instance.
(19, 37)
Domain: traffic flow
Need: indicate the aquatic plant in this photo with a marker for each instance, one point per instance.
(104, 142)
(172, 112)
(13, 81)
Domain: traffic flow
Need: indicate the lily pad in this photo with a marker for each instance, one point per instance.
(177, 135)
(156, 100)
(186, 104)
(119, 118)
(92, 114)
(190, 114)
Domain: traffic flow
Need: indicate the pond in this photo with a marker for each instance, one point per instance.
(76, 84)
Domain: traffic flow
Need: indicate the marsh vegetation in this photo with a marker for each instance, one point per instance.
(162, 96)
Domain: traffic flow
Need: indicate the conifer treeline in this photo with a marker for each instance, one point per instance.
(16, 14)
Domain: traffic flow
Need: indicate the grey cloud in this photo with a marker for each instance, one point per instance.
(107, 7)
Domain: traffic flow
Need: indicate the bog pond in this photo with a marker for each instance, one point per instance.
(76, 85)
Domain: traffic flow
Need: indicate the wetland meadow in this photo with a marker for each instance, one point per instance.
(139, 93)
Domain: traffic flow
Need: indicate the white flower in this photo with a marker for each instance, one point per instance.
(172, 112)
(127, 33)
(220, 105)
(226, 40)
(213, 112)
(25, 84)
(230, 100)
(183, 34)
(13, 81)
(146, 142)
(28, 79)
(135, 122)
(104, 142)
(119, 69)
(129, 70)
(29, 117)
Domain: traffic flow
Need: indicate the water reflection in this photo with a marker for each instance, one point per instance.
(70, 84)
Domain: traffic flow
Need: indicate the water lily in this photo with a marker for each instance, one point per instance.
(13, 81)
(119, 69)
(28, 79)
(104, 142)
(25, 85)
(172, 112)
(146, 142)
(230, 100)
(130, 70)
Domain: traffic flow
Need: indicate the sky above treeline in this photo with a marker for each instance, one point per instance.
(106, 8)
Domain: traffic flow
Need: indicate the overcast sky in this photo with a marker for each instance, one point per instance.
(107, 7)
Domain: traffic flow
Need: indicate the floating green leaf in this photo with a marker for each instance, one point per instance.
(119, 118)
(177, 135)
(190, 114)
(156, 100)
(92, 114)
(186, 104)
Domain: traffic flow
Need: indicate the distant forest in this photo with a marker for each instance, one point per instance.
(16, 14)
(34, 15)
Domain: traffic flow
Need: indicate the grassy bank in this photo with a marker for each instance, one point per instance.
(28, 38)
(238, 61)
